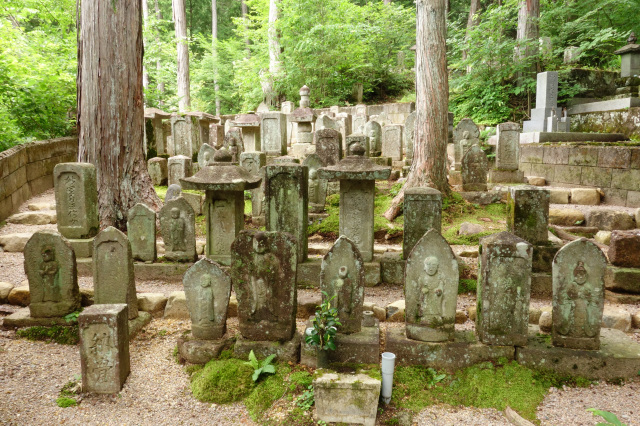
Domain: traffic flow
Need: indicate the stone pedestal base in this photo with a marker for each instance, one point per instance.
(82, 248)
(316, 208)
(347, 398)
(462, 352)
(399, 164)
(543, 257)
(136, 324)
(505, 176)
(222, 259)
(285, 351)
(308, 273)
(301, 150)
(625, 280)
(22, 318)
(382, 161)
(197, 351)
(617, 358)
(360, 348)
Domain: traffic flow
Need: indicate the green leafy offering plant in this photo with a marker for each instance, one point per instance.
(610, 418)
(306, 399)
(264, 367)
(324, 325)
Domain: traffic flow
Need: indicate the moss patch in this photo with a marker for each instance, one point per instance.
(65, 402)
(223, 381)
(456, 211)
(64, 335)
(466, 285)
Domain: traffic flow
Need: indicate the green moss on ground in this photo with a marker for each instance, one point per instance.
(64, 335)
(467, 285)
(456, 211)
(483, 385)
(65, 402)
(222, 381)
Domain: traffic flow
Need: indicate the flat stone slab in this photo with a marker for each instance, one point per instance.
(285, 351)
(539, 137)
(617, 358)
(347, 398)
(462, 352)
(603, 106)
(484, 197)
(621, 298)
(361, 348)
(82, 248)
(196, 351)
(626, 280)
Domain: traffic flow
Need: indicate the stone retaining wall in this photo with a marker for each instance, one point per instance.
(625, 121)
(614, 169)
(27, 170)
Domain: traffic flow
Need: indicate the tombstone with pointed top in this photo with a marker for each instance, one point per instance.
(50, 266)
(141, 231)
(422, 212)
(431, 289)
(392, 144)
(504, 287)
(342, 278)
(317, 187)
(328, 146)
(177, 224)
(578, 295)
(374, 132)
(207, 289)
(474, 170)
(113, 277)
(344, 125)
(205, 155)
(326, 122)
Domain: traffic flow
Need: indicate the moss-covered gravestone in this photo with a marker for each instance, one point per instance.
(504, 287)
(342, 277)
(578, 295)
(177, 224)
(263, 271)
(528, 213)
(50, 265)
(113, 277)
(141, 231)
(465, 135)
(431, 289)
(328, 146)
(76, 191)
(286, 197)
(207, 289)
(317, 186)
(474, 170)
(422, 211)
(104, 348)
(253, 162)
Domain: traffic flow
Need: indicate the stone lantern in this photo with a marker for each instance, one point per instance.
(224, 184)
(630, 57)
(357, 175)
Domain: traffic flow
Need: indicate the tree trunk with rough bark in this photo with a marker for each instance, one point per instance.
(214, 38)
(245, 11)
(527, 34)
(429, 167)
(110, 106)
(145, 17)
(158, 64)
(180, 20)
(472, 21)
(275, 66)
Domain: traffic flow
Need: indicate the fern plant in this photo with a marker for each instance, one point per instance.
(260, 368)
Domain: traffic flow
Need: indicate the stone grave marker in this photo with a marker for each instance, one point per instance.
(431, 289)
(546, 102)
(113, 277)
(216, 135)
(180, 167)
(328, 146)
(409, 134)
(104, 348)
(233, 142)
(465, 135)
(342, 277)
(528, 213)
(317, 187)
(578, 295)
(357, 139)
(141, 231)
(374, 132)
(158, 170)
(392, 143)
(177, 224)
(508, 146)
(274, 133)
(422, 211)
(263, 272)
(205, 155)
(344, 125)
(50, 266)
(173, 191)
(474, 170)
(76, 191)
(326, 122)
(253, 162)
(504, 287)
(207, 289)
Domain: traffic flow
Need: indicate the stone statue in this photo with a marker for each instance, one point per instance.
(579, 307)
(466, 143)
(207, 302)
(266, 268)
(431, 286)
(49, 273)
(177, 240)
(207, 159)
(313, 186)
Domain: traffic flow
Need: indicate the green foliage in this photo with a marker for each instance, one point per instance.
(68, 393)
(64, 335)
(73, 316)
(64, 402)
(467, 286)
(306, 400)
(268, 391)
(223, 381)
(260, 368)
(610, 418)
(324, 325)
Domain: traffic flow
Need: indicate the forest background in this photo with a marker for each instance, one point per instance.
(331, 46)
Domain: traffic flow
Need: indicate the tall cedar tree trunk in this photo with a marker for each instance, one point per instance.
(472, 21)
(110, 108)
(429, 167)
(275, 66)
(180, 20)
(214, 38)
(244, 10)
(145, 17)
(527, 32)
(158, 65)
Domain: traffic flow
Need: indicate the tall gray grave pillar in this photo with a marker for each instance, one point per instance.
(422, 211)
(546, 102)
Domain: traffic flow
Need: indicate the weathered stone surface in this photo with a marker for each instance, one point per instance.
(392, 143)
(392, 268)
(113, 278)
(287, 351)
(177, 223)
(234, 143)
(158, 170)
(356, 139)
(504, 284)
(623, 279)
(462, 352)
(603, 237)
(422, 211)
(180, 167)
(624, 248)
(253, 162)
(396, 311)
(19, 296)
(565, 217)
(76, 200)
(33, 218)
(431, 289)
(176, 307)
(508, 146)
(342, 277)
(41, 206)
(87, 296)
(474, 167)
(196, 351)
(14, 242)
(537, 181)
(635, 320)
(328, 146)
(151, 302)
(317, 188)
(205, 155)
(273, 133)
(616, 318)
(409, 134)
(5, 289)
(347, 398)
(286, 197)
(608, 220)
(173, 191)
(585, 196)
(618, 357)
(559, 195)
(465, 135)
(528, 213)
(141, 231)
(373, 131)
(104, 348)
(467, 228)
(50, 265)
(207, 289)
(578, 295)
(361, 347)
(545, 322)
(263, 272)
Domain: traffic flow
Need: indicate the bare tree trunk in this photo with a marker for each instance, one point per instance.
(214, 38)
(429, 167)
(158, 64)
(110, 109)
(245, 11)
(145, 16)
(180, 20)
(275, 66)
(527, 32)
(472, 21)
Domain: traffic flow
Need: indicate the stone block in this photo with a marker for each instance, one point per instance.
(196, 351)
(548, 171)
(556, 154)
(566, 217)
(83, 248)
(22, 318)
(307, 305)
(621, 298)
(19, 296)
(609, 220)
(583, 156)
(76, 200)
(308, 273)
(615, 196)
(347, 398)
(86, 296)
(392, 268)
(176, 306)
(543, 256)
(603, 237)
(595, 176)
(624, 248)
(614, 157)
(195, 201)
(14, 242)
(531, 154)
(633, 199)
(635, 320)
(616, 318)
(151, 302)
(395, 311)
(287, 351)
(617, 358)
(622, 279)
(626, 179)
(585, 196)
(362, 347)
(5, 289)
(537, 181)
(33, 218)
(567, 174)
(545, 322)
(528, 213)
(506, 176)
